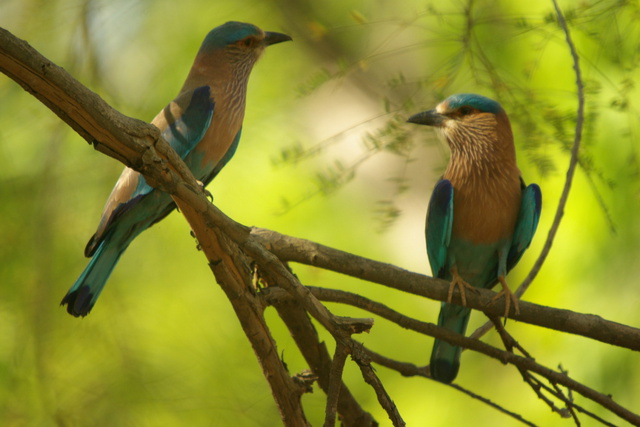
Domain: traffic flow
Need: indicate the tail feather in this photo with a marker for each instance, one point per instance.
(86, 290)
(445, 358)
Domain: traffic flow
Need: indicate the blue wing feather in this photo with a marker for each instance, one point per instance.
(439, 224)
(445, 358)
(183, 135)
(186, 132)
(526, 225)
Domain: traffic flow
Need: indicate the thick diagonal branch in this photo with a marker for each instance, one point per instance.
(138, 144)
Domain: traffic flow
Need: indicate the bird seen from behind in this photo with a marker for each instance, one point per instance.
(202, 124)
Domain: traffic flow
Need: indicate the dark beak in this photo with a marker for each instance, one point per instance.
(273, 38)
(428, 118)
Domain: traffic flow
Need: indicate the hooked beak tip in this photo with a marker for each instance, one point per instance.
(274, 38)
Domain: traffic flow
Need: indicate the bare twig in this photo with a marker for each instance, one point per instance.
(509, 342)
(289, 248)
(361, 358)
(573, 161)
(403, 368)
(335, 384)
(537, 386)
(316, 354)
(411, 370)
(278, 297)
(524, 364)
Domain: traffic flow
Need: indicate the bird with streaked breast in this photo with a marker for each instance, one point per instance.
(481, 216)
(203, 125)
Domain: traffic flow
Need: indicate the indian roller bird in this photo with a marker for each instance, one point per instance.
(202, 124)
(481, 216)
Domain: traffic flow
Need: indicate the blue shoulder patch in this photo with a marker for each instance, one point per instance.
(183, 135)
(478, 102)
(228, 33)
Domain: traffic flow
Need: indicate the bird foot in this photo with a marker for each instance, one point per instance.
(509, 297)
(461, 284)
(205, 191)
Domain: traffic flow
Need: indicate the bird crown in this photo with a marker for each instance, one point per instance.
(478, 102)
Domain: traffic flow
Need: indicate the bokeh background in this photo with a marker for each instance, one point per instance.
(325, 155)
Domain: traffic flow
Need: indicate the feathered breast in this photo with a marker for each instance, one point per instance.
(485, 178)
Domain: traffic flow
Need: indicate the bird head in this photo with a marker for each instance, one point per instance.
(470, 124)
(240, 39)
(231, 49)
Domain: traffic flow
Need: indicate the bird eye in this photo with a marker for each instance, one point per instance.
(248, 42)
(465, 111)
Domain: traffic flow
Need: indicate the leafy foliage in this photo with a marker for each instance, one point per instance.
(508, 56)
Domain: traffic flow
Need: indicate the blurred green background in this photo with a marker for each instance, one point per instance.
(324, 156)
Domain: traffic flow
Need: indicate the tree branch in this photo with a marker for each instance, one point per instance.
(316, 354)
(525, 363)
(335, 384)
(138, 145)
(370, 377)
(289, 248)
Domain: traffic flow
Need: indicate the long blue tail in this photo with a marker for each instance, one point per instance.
(86, 290)
(445, 358)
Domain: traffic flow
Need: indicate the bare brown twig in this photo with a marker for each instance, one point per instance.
(316, 354)
(335, 384)
(361, 357)
(539, 387)
(526, 364)
(289, 248)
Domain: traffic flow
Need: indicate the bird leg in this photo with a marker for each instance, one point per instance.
(508, 298)
(461, 284)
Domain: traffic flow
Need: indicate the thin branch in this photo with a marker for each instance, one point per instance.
(370, 377)
(309, 346)
(573, 162)
(315, 353)
(488, 402)
(335, 384)
(558, 393)
(340, 328)
(411, 370)
(303, 251)
(522, 363)
(403, 368)
(537, 386)
(510, 343)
